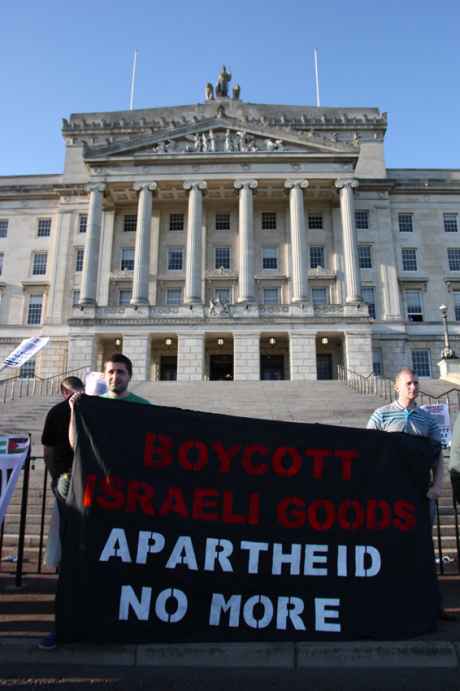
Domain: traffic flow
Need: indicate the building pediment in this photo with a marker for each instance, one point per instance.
(221, 135)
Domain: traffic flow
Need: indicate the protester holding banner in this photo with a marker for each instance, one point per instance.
(58, 457)
(403, 415)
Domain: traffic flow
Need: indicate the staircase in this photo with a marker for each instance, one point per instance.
(326, 402)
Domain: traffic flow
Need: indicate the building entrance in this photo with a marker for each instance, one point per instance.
(221, 367)
(324, 366)
(168, 368)
(271, 367)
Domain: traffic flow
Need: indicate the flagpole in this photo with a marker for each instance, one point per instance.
(133, 79)
(318, 103)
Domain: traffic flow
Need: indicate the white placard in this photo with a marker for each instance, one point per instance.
(25, 350)
(13, 453)
(441, 413)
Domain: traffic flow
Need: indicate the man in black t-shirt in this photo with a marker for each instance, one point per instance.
(57, 451)
(58, 456)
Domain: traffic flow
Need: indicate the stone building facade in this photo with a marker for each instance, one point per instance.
(230, 240)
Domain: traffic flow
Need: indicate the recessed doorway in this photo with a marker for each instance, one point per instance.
(221, 367)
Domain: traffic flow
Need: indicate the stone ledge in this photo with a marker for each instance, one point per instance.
(359, 654)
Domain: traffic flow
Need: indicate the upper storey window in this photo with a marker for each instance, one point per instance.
(127, 259)
(39, 263)
(365, 257)
(44, 227)
(362, 219)
(222, 258)
(317, 257)
(1, 263)
(268, 220)
(3, 227)
(129, 223)
(176, 222)
(82, 223)
(270, 258)
(453, 256)
(406, 223)
(222, 221)
(409, 258)
(315, 221)
(450, 222)
(34, 311)
(175, 258)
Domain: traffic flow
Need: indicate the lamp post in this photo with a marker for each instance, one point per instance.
(446, 353)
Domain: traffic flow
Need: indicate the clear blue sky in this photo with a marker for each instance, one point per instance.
(400, 56)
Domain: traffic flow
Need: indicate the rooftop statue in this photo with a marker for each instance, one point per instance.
(222, 83)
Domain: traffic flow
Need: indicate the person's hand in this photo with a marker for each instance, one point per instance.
(434, 492)
(74, 398)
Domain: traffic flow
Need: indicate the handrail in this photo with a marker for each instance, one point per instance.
(384, 387)
(14, 388)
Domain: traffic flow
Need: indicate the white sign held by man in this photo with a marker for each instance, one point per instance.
(25, 350)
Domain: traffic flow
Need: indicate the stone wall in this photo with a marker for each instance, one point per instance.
(246, 357)
(302, 356)
(190, 357)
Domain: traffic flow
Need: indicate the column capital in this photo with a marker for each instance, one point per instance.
(240, 184)
(151, 186)
(95, 187)
(302, 184)
(347, 182)
(200, 185)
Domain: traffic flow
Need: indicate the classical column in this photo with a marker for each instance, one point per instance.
(298, 244)
(140, 295)
(247, 285)
(194, 241)
(350, 246)
(91, 256)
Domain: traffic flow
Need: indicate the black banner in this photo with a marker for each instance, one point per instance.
(186, 526)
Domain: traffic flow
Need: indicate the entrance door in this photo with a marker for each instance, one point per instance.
(168, 368)
(324, 365)
(221, 367)
(271, 367)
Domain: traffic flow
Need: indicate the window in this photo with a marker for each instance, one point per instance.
(414, 305)
(453, 255)
(39, 264)
(34, 313)
(457, 305)
(3, 227)
(222, 258)
(82, 223)
(268, 220)
(368, 295)
(315, 221)
(409, 259)
(421, 363)
(129, 223)
(222, 221)
(271, 296)
(1, 263)
(270, 258)
(319, 296)
(44, 227)
(176, 221)
(377, 362)
(124, 296)
(127, 258)
(450, 223)
(317, 257)
(406, 224)
(75, 298)
(173, 296)
(223, 295)
(175, 258)
(79, 259)
(364, 257)
(362, 219)
(27, 371)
